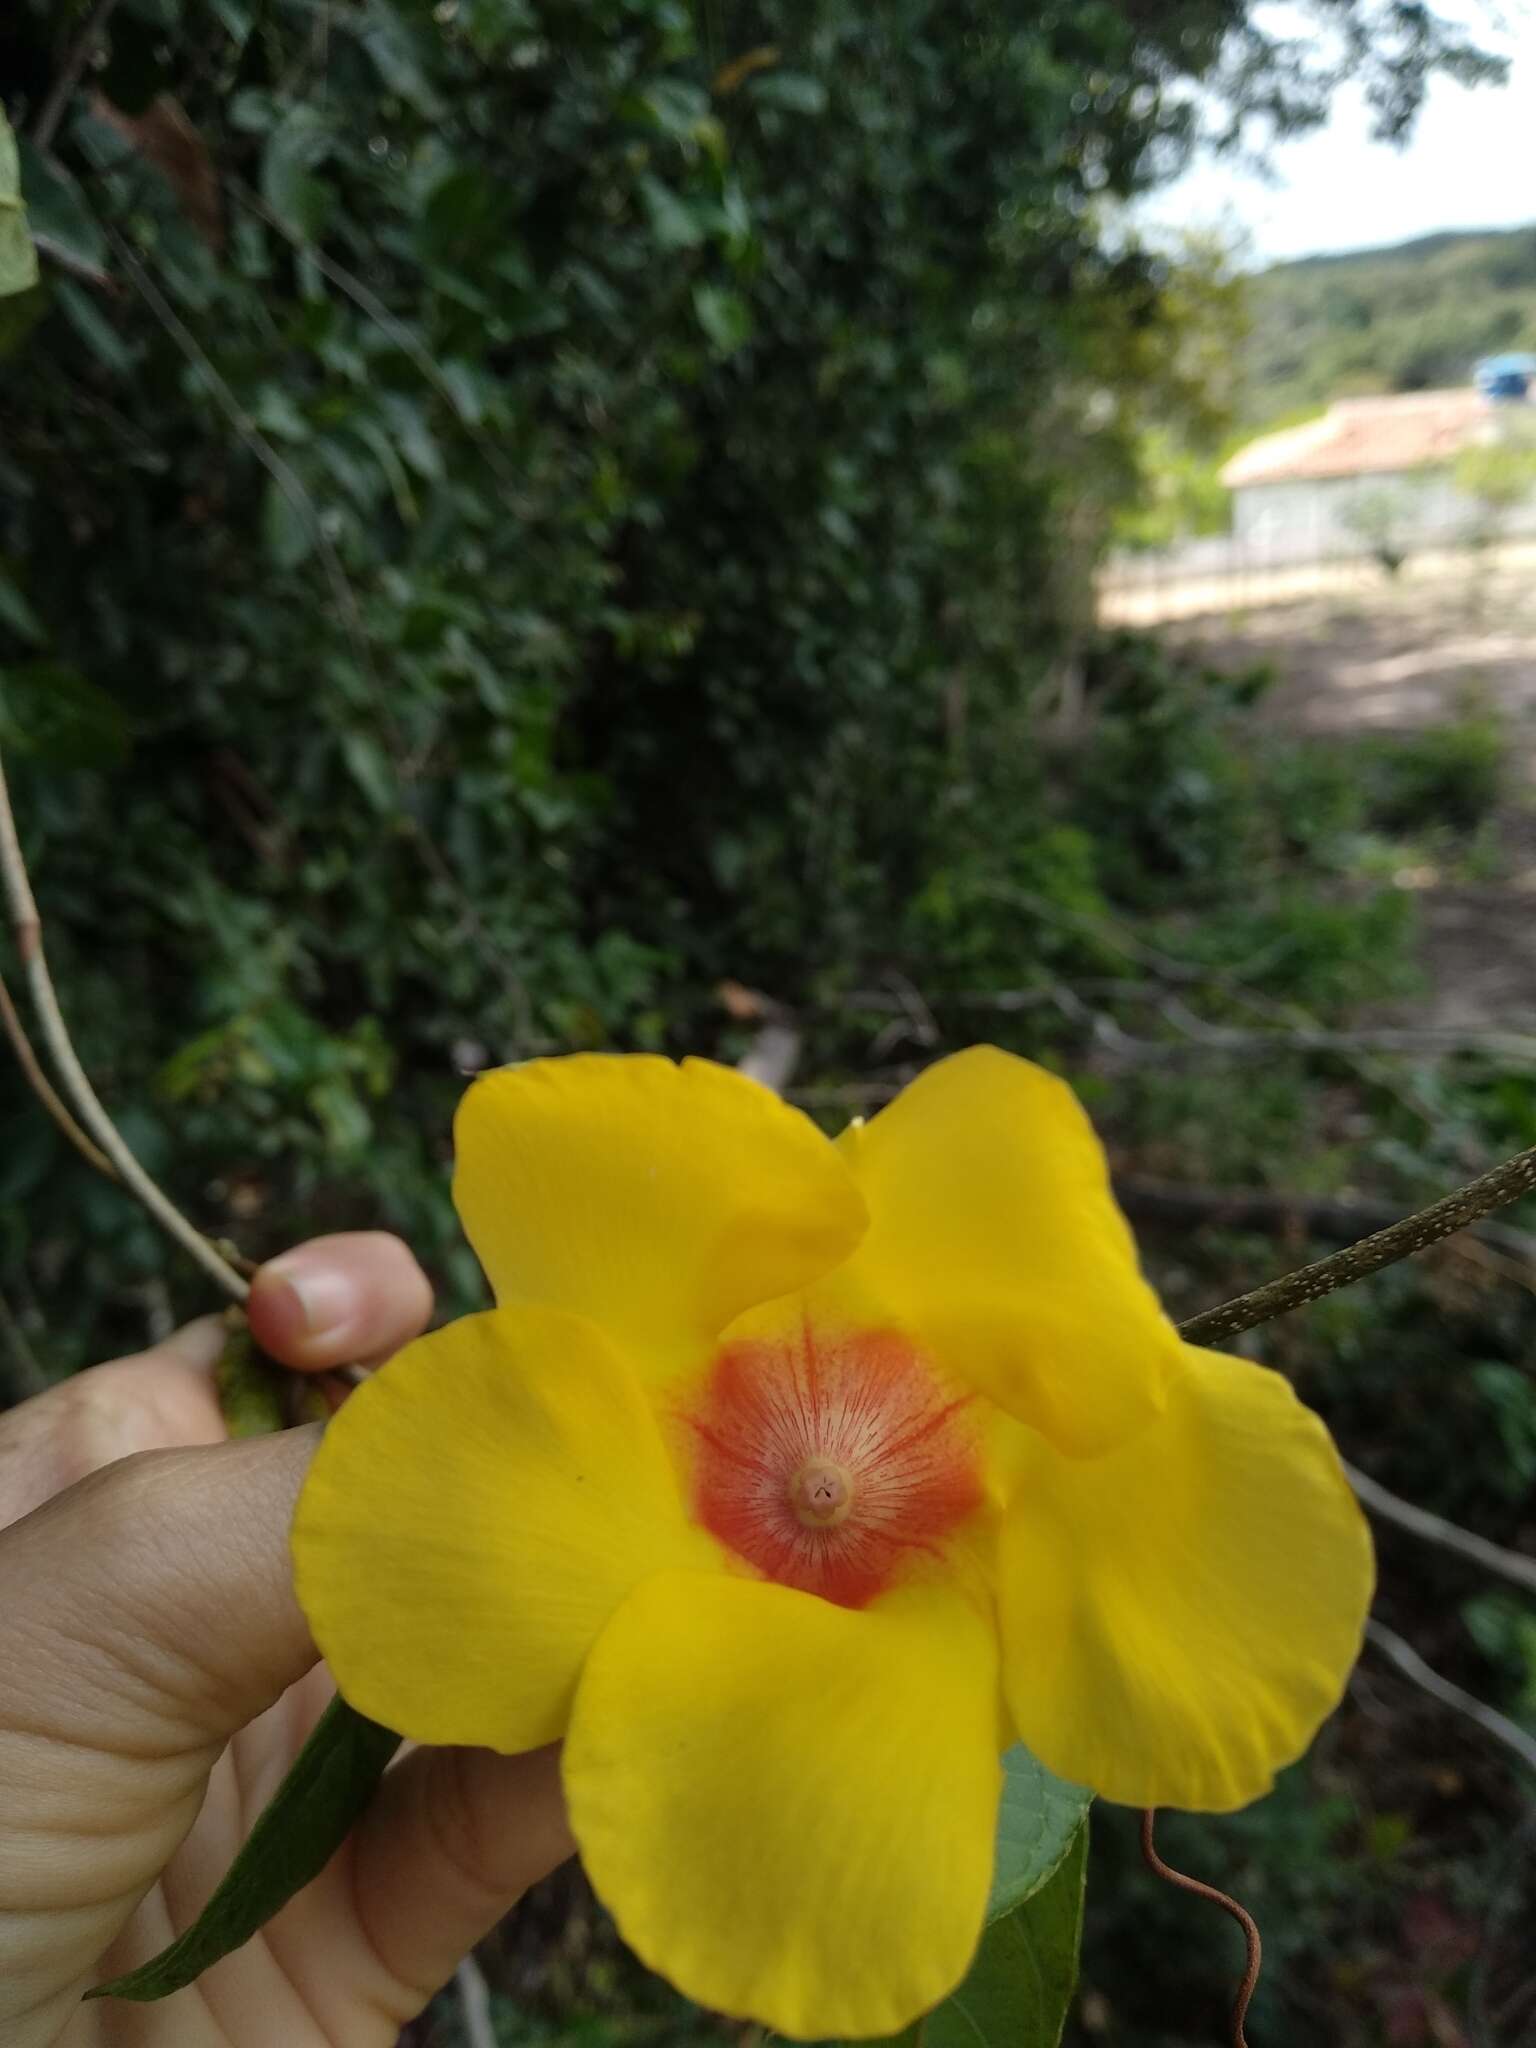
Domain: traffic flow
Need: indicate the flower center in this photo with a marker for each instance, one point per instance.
(821, 1494)
(831, 1459)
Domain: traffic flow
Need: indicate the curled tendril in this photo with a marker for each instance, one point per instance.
(1240, 1914)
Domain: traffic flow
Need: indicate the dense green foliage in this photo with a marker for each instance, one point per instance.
(513, 513)
(1415, 317)
(576, 502)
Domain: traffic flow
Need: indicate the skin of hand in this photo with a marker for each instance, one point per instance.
(157, 1680)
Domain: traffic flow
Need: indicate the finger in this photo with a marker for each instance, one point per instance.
(339, 1300)
(161, 1397)
(451, 1843)
(154, 1600)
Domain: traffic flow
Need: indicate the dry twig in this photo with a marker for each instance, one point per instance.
(1512, 1565)
(80, 54)
(84, 1100)
(44, 1089)
(1427, 1679)
(475, 2005)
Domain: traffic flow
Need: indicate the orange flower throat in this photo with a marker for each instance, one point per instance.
(827, 1458)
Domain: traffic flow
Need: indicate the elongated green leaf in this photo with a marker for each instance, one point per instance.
(331, 1782)
(57, 209)
(53, 712)
(299, 143)
(1037, 1823)
(1018, 1990)
(18, 258)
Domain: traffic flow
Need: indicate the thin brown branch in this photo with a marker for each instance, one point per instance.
(44, 1089)
(1489, 1719)
(84, 1100)
(1492, 1190)
(1512, 1565)
(78, 56)
(1239, 1913)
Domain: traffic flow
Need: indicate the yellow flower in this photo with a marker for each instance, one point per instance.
(789, 1482)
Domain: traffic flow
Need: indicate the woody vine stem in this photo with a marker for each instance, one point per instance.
(88, 1108)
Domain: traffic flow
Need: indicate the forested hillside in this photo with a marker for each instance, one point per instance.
(1408, 318)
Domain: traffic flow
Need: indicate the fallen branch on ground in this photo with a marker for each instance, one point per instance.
(1427, 1679)
(1512, 1565)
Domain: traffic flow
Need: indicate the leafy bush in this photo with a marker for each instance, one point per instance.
(1449, 777)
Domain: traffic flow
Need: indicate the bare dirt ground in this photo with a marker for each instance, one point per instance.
(1359, 652)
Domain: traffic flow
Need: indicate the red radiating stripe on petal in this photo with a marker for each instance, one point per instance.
(865, 1401)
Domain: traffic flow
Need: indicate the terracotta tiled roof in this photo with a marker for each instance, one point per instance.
(1363, 436)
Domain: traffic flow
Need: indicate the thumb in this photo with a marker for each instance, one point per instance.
(148, 1614)
(150, 1607)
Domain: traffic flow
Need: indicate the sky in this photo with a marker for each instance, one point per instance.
(1469, 163)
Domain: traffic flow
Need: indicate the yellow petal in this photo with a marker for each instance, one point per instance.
(994, 1239)
(655, 1199)
(475, 1513)
(1179, 1617)
(789, 1807)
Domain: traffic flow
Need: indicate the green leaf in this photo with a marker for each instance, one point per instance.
(674, 224)
(1037, 1823)
(18, 258)
(1020, 1983)
(300, 141)
(791, 90)
(20, 312)
(309, 1817)
(392, 46)
(370, 769)
(236, 19)
(57, 210)
(287, 527)
(17, 616)
(54, 713)
(675, 106)
(94, 328)
(724, 316)
(1018, 1991)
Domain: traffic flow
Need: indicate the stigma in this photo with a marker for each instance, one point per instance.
(831, 1459)
(821, 1493)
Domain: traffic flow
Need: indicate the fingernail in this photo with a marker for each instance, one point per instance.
(326, 1297)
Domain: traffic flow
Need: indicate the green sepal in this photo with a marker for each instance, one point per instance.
(311, 1813)
(256, 1397)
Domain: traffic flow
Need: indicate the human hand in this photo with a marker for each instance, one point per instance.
(158, 1680)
